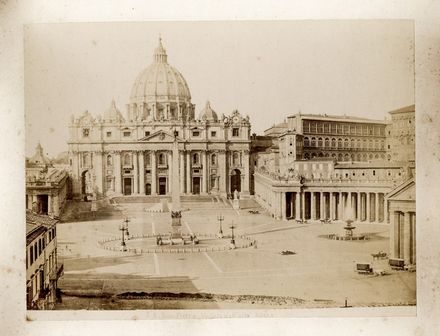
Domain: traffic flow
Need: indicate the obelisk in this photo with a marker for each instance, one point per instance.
(176, 214)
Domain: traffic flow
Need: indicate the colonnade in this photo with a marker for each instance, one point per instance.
(320, 205)
(403, 236)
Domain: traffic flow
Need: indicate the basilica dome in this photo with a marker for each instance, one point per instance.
(160, 82)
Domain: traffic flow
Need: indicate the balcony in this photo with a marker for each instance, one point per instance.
(57, 272)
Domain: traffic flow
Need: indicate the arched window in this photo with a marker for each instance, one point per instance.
(376, 144)
(359, 157)
(376, 156)
(353, 143)
(127, 159)
(333, 143)
(313, 144)
(370, 156)
(109, 160)
(306, 142)
(346, 157)
(320, 155)
(327, 142)
(346, 143)
(320, 142)
(359, 143)
(306, 156)
(339, 143)
(364, 157)
(370, 144)
(365, 144)
(327, 155)
(340, 157)
(313, 155)
(213, 159)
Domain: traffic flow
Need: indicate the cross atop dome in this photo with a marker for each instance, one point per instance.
(160, 54)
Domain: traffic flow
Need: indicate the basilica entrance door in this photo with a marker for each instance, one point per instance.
(127, 186)
(235, 181)
(148, 189)
(196, 185)
(162, 185)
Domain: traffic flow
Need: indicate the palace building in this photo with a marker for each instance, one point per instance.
(114, 154)
(330, 167)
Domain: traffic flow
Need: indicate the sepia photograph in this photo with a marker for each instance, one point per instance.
(222, 165)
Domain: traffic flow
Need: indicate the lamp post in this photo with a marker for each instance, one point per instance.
(232, 227)
(220, 218)
(123, 228)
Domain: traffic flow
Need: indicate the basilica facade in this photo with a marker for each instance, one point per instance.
(113, 154)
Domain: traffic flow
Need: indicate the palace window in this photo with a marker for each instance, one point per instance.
(109, 134)
(86, 160)
(147, 133)
(213, 159)
(306, 142)
(346, 143)
(359, 143)
(353, 143)
(320, 128)
(339, 143)
(195, 133)
(313, 144)
(327, 142)
(126, 134)
(235, 132)
(326, 128)
(346, 129)
(85, 132)
(370, 144)
(109, 160)
(333, 143)
(213, 134)
(320, 142)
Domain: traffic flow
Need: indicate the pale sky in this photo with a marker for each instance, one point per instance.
(265, 69)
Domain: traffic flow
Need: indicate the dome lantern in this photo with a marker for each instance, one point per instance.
(160, 54)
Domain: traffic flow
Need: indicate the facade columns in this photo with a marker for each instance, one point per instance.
(312, 206)
(359, 208)
(303, 205)
(182, 171)
(283, 205)
(222, 165)
(188, 172)
(340, 206)
(386, 217)
(376, 207)
(394, 235)
(170, 172)
(407, 237)
(368, 212)
(322, 211)
(204, 172)
(297, 206)
(118, 184)
(141, 173)
(135, 173)
(332, 205)
(153, 173)
(245, 189)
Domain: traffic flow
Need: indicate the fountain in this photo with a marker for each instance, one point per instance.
(349, 228)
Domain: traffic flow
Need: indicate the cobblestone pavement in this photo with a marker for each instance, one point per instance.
(322, 272)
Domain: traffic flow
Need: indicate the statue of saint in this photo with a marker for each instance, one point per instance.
(235, 194)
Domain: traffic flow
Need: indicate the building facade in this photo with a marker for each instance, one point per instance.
(47, 187)
(42, 267)
(328, 167)
(116, 155)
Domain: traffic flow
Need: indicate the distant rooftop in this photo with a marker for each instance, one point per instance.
(410, 108)
(338, 118)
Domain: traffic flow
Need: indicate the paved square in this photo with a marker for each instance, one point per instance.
(322, 272)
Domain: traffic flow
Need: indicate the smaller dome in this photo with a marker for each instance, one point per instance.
(112, 114)
(208, 113)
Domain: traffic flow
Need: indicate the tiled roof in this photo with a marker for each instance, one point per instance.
(33, 218)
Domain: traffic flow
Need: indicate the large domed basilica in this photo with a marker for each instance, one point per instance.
(112, 154)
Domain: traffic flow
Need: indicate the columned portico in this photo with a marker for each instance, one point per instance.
(153, 173)
(142, 173)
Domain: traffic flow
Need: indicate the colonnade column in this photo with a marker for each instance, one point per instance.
(204, 172)
(141, 173)
(376, 207)
(135, 173)
(340, 206)
(303, 205)
(407, 237)
(118, 184)
(368, 212)
(182, 171)
(386, 217)
(297, 206)
(394, 235)
(322, 211)
(312, 206)
(332, 205)
(153, 173)
(170, 172)
(283, 205)
(359, 208)
(222, 166)
(188, 172)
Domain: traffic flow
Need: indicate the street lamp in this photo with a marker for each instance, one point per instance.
(123, 228)
(232, 227)
(220, 218)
